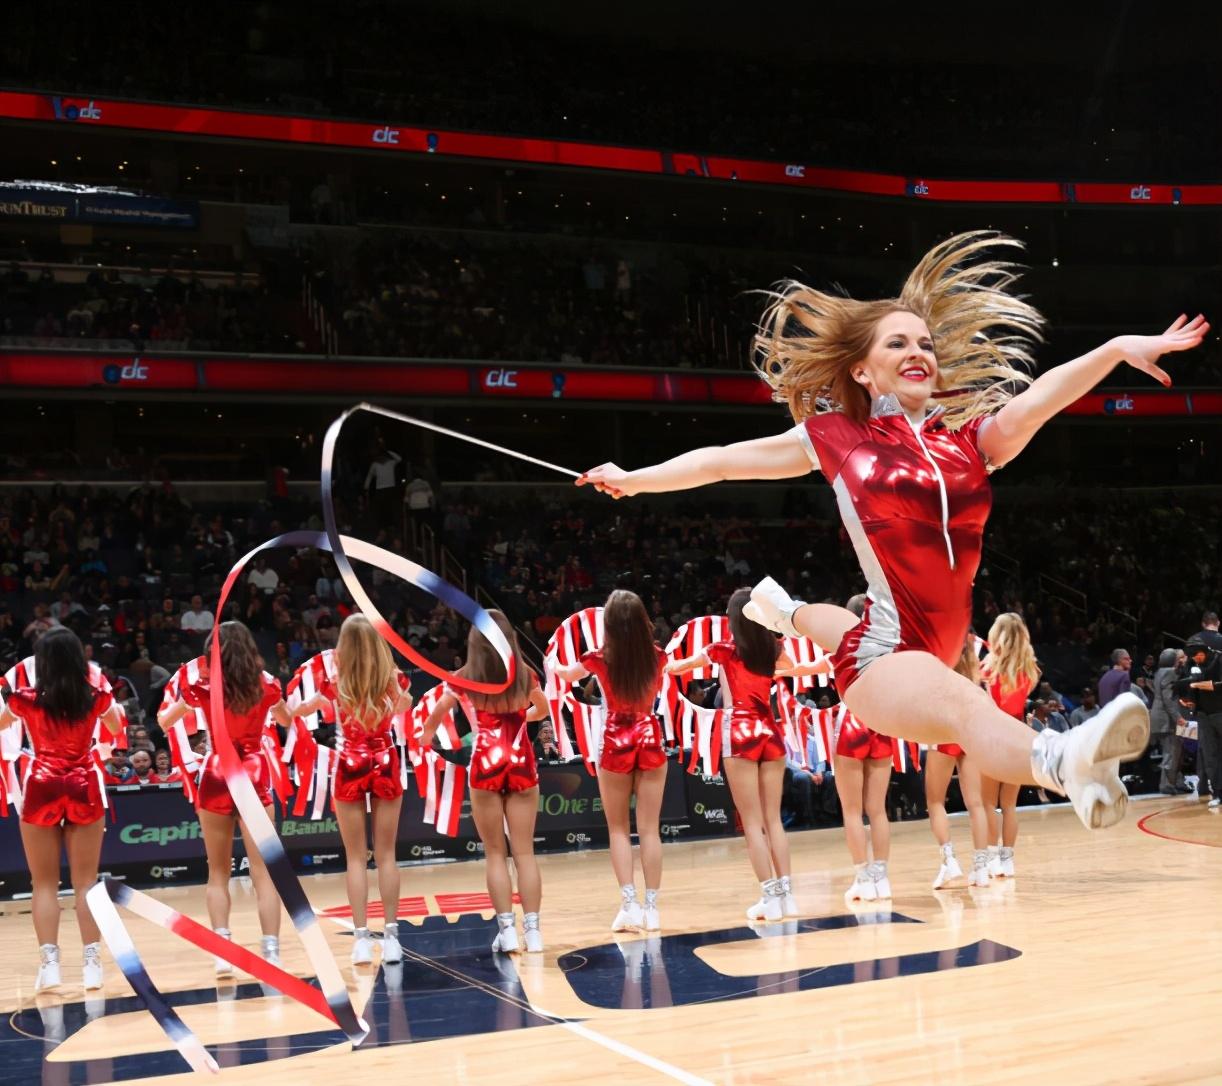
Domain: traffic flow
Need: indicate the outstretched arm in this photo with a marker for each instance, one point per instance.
(1004, 435)
(691, 663)
(570, 673)
(781, 456)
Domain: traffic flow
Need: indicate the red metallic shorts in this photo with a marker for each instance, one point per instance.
(214, 792)
(631, 741)
(953, 749)
(368, 767)
(58, 792)
(498, 766)
(754, 737)
(863, 744)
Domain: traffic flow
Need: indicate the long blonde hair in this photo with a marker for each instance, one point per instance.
(1010, 654)
(969, 660)
(367, 686)
(808, 340)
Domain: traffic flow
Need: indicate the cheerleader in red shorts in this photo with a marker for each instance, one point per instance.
(629, 670)
(1011, 673)
(62, 807)
(369, 691)
(753, 748)
(250, 694)
(504, 781)
(940, 763)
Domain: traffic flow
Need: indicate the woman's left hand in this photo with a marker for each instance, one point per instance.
(1143, 352)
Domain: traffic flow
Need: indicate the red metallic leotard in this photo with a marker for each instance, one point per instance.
(854, 740)
(632, 738)
(502, 757)
(63, 784)
(749, 730)
(1012, 702)
(914, 503)
(368, 759)
(246, 730)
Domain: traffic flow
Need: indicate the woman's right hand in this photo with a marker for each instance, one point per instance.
(609, 479)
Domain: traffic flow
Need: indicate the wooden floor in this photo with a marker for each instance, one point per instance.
(1099, 963)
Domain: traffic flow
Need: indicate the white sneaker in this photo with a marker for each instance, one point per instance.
(653, 922)
(767, 908)
(882, 884)
(48, 968)
(772, 607)
(223, 968)
(91, 967)
(789, 906)
(271, 949)
(362, 949)
(392, 949)
(1215, 803)
(506, 941)
(1007, 863)
(533, 934)
(994, 864)
(863, 889)
(950, 874)
(980, 871)
(1084, 763)
(631, 917)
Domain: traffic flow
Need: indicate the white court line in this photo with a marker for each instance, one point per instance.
(661, 1066)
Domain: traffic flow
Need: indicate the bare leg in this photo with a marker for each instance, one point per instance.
(824, 623)
(42, 849)
(352, 831)
(772, 784)
(989, 794)
(877, 778)
(743, 776)
(616, 792)
(650, 785)
(488, 811)
(521, 810)
(266, 899)
(1008, 801)
(969, 785)
(850, 784)
(938, 770)
(218, 844)
(84, 845)
(385, 834)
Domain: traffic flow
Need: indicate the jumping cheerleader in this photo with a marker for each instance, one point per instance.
(911, 480)
(503, 778)
(369, 692)
(629, 670)
(62, 806)
(250, 694)
(1011, 673)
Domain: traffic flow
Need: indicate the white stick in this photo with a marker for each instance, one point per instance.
(465, 437)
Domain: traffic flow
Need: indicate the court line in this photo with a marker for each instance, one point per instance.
(1141, 825)
(661, 1066)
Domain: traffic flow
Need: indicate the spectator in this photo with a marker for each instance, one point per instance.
(1046, 714)
(420, 500)
(142, 767)
(1203, 684)
(1116, 680)
(1166, 718)
(380, 478)
(263, 577)
(1088, 708)
(163, 768)
(197, 619)
(118, 770)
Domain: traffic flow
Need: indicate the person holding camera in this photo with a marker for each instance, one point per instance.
(1202, 683)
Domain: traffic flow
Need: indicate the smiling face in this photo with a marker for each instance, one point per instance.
(900, 361)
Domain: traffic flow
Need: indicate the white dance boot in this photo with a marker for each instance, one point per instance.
(91, 967)
(48, 968)
(532, 933)
(506, 940)
(223, 968)
(882, 884)
(1084, 763)
(950, 874)
(653, 922)
(631, 917)
(773, 607)
(392, 949)
(769, 906)
(789, 904)
(362, 947)
(1007, 862)
(863, 888)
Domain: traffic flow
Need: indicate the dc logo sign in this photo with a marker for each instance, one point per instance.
(795, 171)
(68, 111)
(917, 188)
(1140, 192)
(135, 371)
(506, 379)
(1119, 404)
(386, 135)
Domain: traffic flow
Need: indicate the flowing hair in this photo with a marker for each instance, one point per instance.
(366, 672)
(757, 647)
(632, 657)
(484, 665)
(808, 340)
(241, 664)
(62, 687)
(1010, 655)
(969, 660)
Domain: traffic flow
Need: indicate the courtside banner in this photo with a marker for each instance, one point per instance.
(392, 137)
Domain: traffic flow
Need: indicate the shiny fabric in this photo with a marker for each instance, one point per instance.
(632, 738)
(953, 749)
(862, 743)
(502, 758)
(751, 730)
(1014, 702)
(368, 764)
(63, 784)
(246, 731)
(890, 501)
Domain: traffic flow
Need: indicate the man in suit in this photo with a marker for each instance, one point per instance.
(1166, 714)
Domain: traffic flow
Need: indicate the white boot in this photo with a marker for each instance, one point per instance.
(506, 941)
(882, 884)
(769, 905)
(362, 947)
(224, 968)
(48, 968)
(863, 888)
(91, 967)
(980, 868)
(994, 862)
(631, 916)
(270, 946)
(1084, 763)
(772, 607)
(789, 904)
(532, 932)
(392, 949)
(950, 874)
(1007, 862)
(653, 922)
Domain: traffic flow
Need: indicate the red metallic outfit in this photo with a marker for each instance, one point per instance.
(854, 740)
(1012, 702)
(914, 503)
(632, 737)
(64, 782)
(368, 759)
(246, 731)
(502, 757)
(749, 730)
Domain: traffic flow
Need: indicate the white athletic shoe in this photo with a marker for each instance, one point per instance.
(882, 884)
(223, 968)
(767, 908)
(994, 863)
(1007, 863)
(91, 967)
(271, 949)
(392, 949)
(534, 936)
(652, 921)
(506, 941)
(362, 948)
(772, 607)
(979, 875)
(863, 889)
(789, 904)
(48, 968)
(950, 874)
(1084, 763)
(631, 917)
